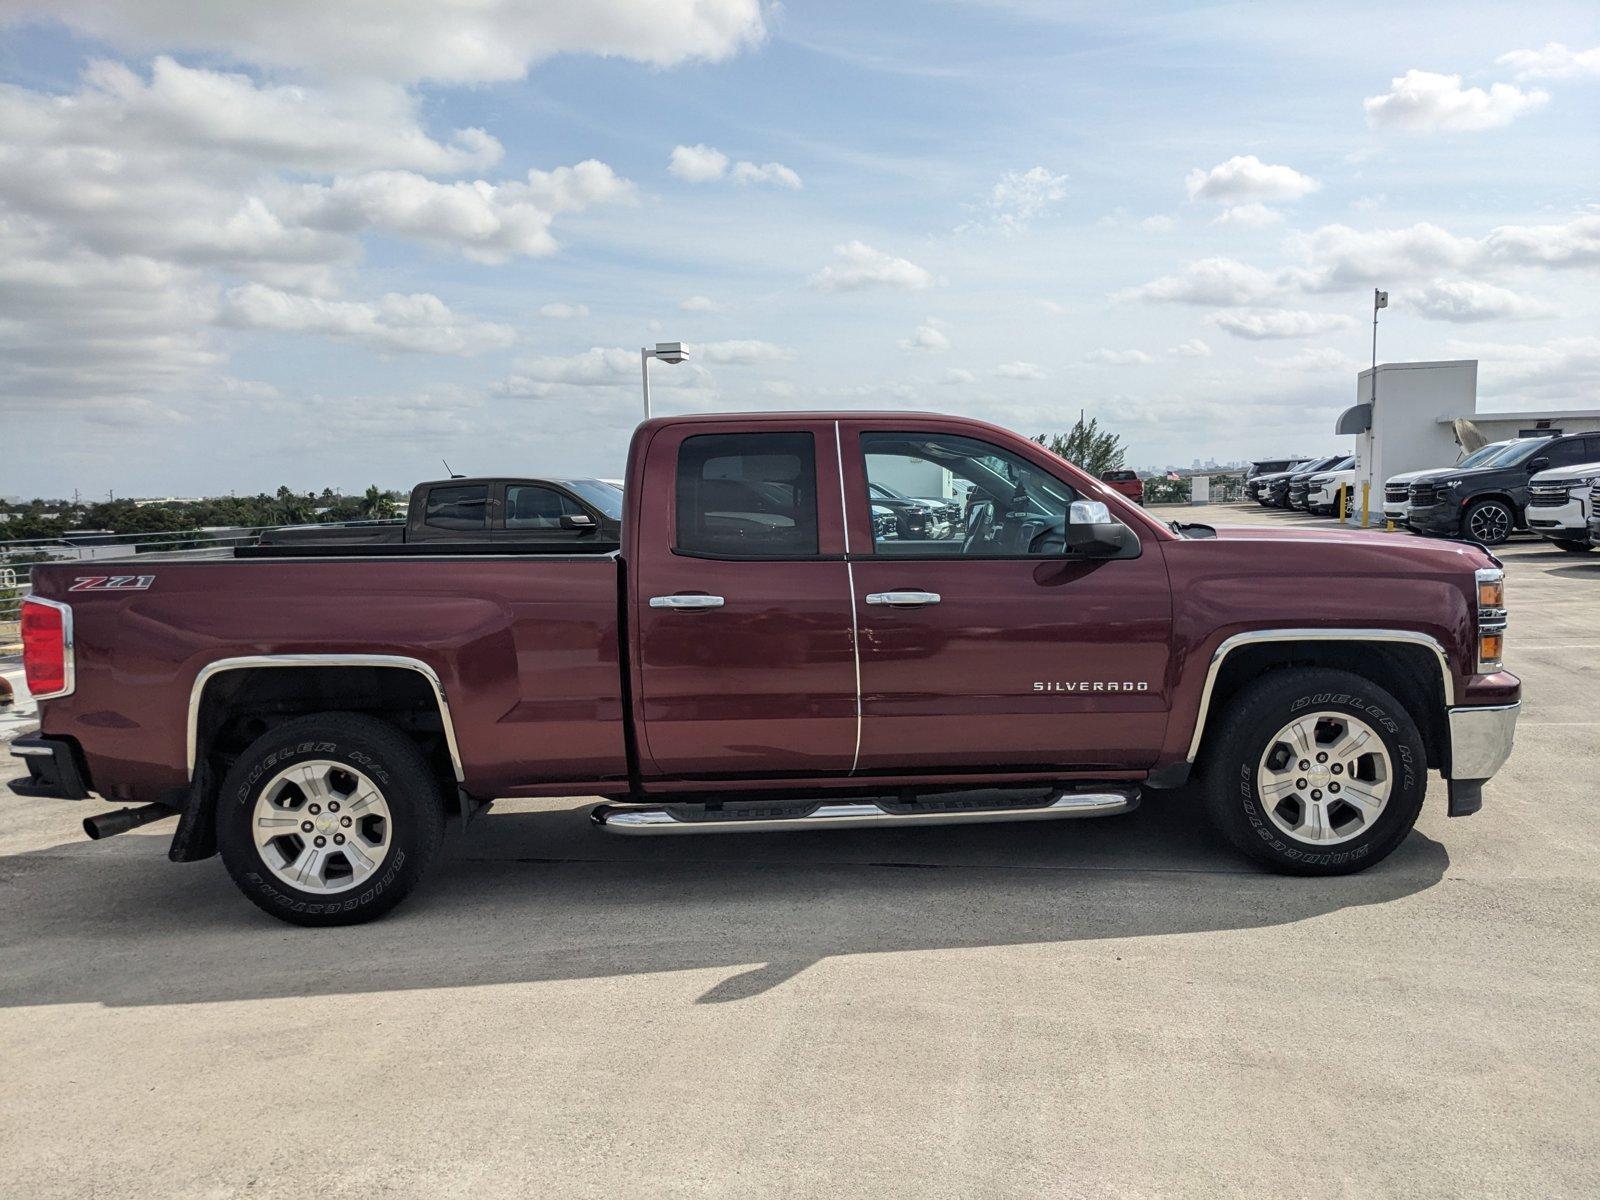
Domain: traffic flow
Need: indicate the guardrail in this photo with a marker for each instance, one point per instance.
(19, 556)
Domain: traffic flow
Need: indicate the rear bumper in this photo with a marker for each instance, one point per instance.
(53, 770)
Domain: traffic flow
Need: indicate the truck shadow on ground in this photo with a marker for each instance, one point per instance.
(542, 896)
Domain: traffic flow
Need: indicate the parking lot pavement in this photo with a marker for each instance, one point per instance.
(1109, 1008)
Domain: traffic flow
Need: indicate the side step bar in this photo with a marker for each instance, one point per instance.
(638, 821)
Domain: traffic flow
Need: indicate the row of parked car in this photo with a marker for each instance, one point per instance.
(1550, 485)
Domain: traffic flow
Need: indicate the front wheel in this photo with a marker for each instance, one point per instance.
(329, 819)
(1315, 772)
(1489, 522)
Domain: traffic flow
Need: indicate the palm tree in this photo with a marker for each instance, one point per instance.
(375, 503)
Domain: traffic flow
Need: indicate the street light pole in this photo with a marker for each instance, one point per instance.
(667, 352)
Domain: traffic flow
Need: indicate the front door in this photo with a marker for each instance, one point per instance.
(741, 608)
(982, 643)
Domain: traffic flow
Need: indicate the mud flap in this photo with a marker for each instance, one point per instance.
(1466, 796)
(196, 835)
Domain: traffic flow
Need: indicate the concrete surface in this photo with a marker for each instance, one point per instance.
(1113, 1008)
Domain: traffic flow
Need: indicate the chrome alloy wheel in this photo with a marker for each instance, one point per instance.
(1489, 523)
(1324, 778)
(321, 826)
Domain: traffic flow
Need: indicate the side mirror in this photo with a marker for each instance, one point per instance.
(1092, 532)
(577, 521)
(1539, 464)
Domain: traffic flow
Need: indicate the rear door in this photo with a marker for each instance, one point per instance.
(989, 647)
(743, 648)
(453, 512)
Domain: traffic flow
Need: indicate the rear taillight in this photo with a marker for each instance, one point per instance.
(47, 647)
(1491, 585)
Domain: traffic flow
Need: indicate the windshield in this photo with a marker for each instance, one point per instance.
(1483, 454)
(1516, 452)
(606, 497)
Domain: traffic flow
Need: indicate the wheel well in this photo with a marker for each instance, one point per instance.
(238, 706)
(1516, 512)
(1410, 673)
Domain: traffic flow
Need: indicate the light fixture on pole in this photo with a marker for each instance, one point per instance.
(667, 352)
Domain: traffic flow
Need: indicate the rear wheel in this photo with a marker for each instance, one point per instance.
(329, 819)
(1489, 522)
(1316, 772)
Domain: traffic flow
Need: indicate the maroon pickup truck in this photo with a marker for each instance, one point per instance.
(761, 654)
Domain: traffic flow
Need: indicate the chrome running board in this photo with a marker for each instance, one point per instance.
(641, 821)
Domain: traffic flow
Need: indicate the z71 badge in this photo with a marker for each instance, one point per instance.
(111, 583)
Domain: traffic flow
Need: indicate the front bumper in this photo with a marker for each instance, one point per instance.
(1480, 743)
(53, 769)
(1444, 517)
(1594, 531)
(1567, 522)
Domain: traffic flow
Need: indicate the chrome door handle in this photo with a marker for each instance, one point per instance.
(903, 599)
(683, 601)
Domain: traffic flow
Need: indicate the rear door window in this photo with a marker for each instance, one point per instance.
(464, 507)
(747, 495)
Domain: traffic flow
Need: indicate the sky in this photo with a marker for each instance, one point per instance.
(334, 242)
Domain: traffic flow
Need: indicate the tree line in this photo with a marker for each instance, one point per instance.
(52, 518)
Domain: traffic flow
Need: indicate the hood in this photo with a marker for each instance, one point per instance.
(1437, 552)
(1343, 476)
(1568, 474)
(1413, 476)
(1439, 473)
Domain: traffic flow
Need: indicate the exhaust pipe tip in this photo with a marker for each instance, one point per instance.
(110, 824)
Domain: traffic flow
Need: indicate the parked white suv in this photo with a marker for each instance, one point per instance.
(1322, 497)
(1397, 488)
(1559, 505)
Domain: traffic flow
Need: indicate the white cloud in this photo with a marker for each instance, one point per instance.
(1316, 360)
(1556, 370)
(486, 222)
(1340, 257)
(1249, 216)
(958, 375)
(1020, 197)
(560, 311)
(697, 164)
(1193, 348)
(699, 304)
(1555, 61)
(861, 266)
(407, 40)
(706, 164)
(352, 128)
(1465, 301)
(773, 173)
(1427, 102)
(741, 352)
(1244, 178)
(1054, 308)
(1118, 358)
(419, 323)
(929, 336)
(1271, 324)
(1224, 281)
(599, 366)
(1020, 370)
(1160, 223)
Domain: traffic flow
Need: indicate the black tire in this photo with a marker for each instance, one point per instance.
(1489, 522)
(390, 760)
(1571, 547)
(1244, 735)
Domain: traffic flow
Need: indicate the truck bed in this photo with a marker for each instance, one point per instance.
(525, 645)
